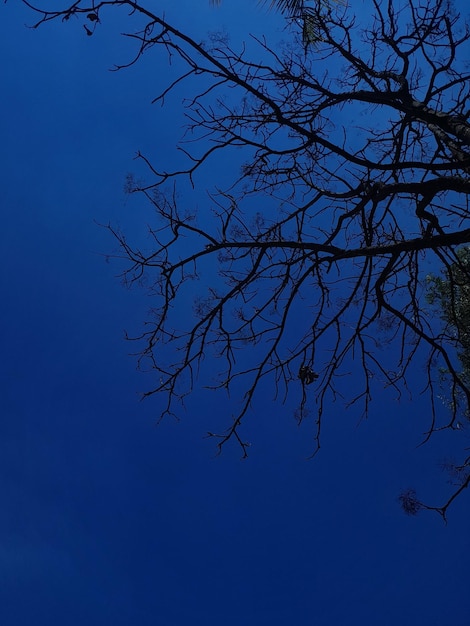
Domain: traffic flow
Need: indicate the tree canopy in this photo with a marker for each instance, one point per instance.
(353, 183)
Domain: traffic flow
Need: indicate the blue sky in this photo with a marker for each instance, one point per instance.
(108, 519)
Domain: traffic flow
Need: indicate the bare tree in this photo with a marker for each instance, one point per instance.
(354, 182)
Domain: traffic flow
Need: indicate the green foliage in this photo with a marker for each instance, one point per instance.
(451, 293)
(307, 14)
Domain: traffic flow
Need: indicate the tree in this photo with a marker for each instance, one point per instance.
(354, 180)
(450, 295)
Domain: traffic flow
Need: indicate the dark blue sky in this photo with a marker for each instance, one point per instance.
(106, 518)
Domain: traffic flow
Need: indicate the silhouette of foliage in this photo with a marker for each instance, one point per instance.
(409, 502)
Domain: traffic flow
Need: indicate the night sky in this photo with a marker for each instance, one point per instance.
(107, 517)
